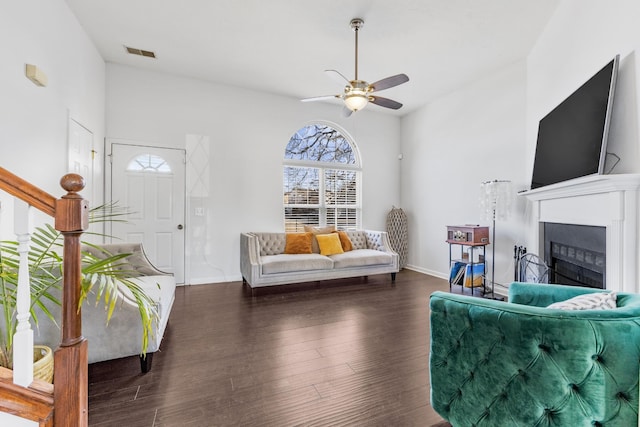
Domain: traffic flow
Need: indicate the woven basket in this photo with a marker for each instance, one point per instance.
(43, 363)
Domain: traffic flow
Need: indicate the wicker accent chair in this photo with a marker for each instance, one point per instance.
(518, 363)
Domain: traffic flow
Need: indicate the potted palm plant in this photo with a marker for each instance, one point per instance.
(102, 275)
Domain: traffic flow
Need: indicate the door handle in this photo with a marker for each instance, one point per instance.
(180, 227)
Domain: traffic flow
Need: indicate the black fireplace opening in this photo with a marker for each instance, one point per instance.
(576, 254)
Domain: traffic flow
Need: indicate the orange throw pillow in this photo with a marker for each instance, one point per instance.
(345, 241)
(298, 243)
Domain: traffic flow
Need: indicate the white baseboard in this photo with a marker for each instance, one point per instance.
(214, 279)
(499, 289)
(437, 274)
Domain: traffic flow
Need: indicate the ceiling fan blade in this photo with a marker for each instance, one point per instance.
(385, 102)
(388, 82)
(337, 76)
(320, 98)
(346, 112)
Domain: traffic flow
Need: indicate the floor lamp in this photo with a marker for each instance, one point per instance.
(495, 202)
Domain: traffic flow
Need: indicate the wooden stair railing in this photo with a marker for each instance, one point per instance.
(70, 388)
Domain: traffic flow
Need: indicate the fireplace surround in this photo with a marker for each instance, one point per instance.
(608, 201)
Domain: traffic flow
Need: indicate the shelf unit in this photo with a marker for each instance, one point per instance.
(474, 273)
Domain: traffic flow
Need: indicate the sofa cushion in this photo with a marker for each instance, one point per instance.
(329, 244)
(159, 288)
(285, 263)
(298, 243)
(360, 257)
(136, 264)
(315, 248)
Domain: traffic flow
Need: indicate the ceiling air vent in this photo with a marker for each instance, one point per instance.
(135, 51)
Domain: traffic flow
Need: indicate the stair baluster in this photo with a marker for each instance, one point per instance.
(23, 338)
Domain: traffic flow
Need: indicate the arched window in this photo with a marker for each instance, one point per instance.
(149, 163)
(322, 180)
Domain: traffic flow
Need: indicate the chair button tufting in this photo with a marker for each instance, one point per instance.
(544, 347)
(597, 358)
(622, 396)
(549, 413)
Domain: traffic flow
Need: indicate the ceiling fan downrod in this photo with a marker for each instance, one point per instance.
(356, 24)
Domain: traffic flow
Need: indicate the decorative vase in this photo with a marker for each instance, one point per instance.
(397, 228)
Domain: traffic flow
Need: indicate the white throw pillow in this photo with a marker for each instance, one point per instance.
(593, 301)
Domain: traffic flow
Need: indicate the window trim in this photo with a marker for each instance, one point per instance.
(320, 165)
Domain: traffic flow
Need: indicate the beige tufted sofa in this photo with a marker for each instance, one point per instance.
(123, 335)
(264, 263)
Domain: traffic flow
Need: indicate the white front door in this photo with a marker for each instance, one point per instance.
(150, 183)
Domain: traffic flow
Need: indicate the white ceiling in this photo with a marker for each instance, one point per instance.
(283, 46)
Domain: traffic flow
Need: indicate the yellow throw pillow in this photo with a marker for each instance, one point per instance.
(345, 241)
(317, 230)
(329, 244)
(298, 243)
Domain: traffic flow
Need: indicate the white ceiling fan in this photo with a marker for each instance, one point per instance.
(358, 93)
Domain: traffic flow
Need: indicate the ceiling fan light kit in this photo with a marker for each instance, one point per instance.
(355, 101)
(356, 96)
(358, 93)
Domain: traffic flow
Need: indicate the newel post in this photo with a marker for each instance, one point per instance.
(70, 361)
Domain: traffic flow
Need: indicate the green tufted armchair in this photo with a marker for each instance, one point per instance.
(517, 363)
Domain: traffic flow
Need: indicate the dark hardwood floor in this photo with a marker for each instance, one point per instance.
(336, 353)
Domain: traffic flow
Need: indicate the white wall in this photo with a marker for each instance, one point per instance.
(581, 37)
(493, 124)
(472, 135)
(563, 60)
(34, 120)
(247, 134)
(247, 130)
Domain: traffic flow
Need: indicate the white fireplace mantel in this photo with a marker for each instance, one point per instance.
(609, 201)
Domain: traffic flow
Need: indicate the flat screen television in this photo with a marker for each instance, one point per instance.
(572, 138)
